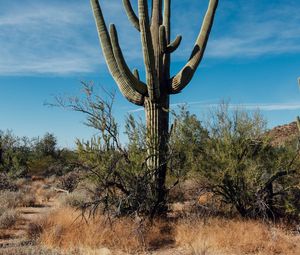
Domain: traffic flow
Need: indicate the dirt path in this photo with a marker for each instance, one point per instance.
(16, 237)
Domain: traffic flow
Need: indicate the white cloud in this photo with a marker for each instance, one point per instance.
(59, 37)
(267, 107)
(39, 37)
(258, 28)
(247, 106)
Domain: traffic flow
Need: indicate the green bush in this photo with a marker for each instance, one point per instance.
(240, 165)
(186, 143)
(21, 156)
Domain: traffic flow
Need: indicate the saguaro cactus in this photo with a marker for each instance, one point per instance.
(155, 32)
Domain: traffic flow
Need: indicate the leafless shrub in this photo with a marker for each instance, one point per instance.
(34, 231)
(69, 181)
(8, 217)
(48, 194)
(6, 183)
(75, 199)
(28, 200)
(10, 199)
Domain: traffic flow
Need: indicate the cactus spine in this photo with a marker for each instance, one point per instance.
(154, 94)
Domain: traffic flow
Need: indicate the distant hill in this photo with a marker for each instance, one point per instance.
(283, 134)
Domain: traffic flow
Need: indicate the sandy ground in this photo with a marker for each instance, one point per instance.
(17, 237)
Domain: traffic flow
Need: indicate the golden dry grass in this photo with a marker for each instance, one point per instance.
(199, 237)
(67, 230)
(235, 237)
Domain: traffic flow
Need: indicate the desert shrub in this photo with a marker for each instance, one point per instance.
(22, 183)
(47, 194)
(14, 152)
(8, 217)
(231, 155)
(21, 156)
(28, 200)
(34, 230)
(46, 146)
(124, 183)
(38, 166)
(75, 199)
(6, 183)
(69, 181)
(186, 143)
(10, 199)
(55, 168)
(240, 166)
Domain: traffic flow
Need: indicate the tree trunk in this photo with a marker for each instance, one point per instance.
(157, 120)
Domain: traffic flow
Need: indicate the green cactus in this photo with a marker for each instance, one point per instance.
(153, 94)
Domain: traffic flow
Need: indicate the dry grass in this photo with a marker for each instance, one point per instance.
(214, 236)
(17, 199)
(30, 250)
(60, 229)
(8, 202)
(74, 199)
(235, 237)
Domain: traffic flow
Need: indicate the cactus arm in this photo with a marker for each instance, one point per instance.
(167, 19)
(148, 52)
(123, 84)
(162, 39)
(170, 47)
(156, 21)
(136, 74)
(167, 25)
(123, 67)
(174, 45)
(184, 76)
(131, 15)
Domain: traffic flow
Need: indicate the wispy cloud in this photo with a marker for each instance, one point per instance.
(258, 28)
(247, 106)
(59, 37)
(46, 37)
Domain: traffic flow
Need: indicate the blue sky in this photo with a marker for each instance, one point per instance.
(48, 47)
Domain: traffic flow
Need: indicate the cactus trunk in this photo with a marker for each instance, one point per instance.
(157, 123)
